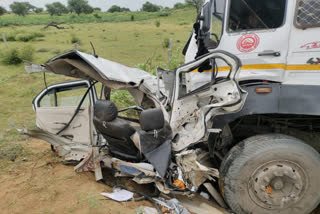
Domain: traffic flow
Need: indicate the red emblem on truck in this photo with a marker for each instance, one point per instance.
(311, 45)
(248, 43)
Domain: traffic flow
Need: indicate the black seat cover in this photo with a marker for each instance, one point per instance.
(117, 132)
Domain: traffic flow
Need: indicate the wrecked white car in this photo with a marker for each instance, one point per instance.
(166, 144)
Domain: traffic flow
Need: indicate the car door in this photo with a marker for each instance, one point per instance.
(56, 105)
(192, 109)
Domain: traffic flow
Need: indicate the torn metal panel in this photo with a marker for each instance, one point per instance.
(192, 110)
(193, 171)
(215, 194)
(199, 205)
(87, 164)
(63, 146)
(33, 68)
(144, 180)
(134, 169)
(116, 76)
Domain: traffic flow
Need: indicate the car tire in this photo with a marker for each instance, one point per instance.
(271, 174)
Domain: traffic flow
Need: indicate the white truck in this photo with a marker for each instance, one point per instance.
(243, 111)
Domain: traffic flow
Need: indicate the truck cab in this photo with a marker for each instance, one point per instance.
(277, 43)
(275, 40)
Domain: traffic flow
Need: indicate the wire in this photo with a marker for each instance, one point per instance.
(77, 110)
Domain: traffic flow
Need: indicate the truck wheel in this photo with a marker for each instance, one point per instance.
(271, 174)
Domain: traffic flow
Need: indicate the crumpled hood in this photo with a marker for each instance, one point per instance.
(114, 75)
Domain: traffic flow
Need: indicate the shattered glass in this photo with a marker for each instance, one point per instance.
(308, 13)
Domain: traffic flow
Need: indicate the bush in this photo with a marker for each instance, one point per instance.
(38, 10)
(27, 53)
(11, 38)
(15, 56)
(11, 150)
(24, 37)
(43, 50)
(179, 6)
(38, 34)
(11, 57)
(175, 60)
(164, 14)
(157, 23)
(166, 43)
(97, 16)
(28, 36)
(74, 39)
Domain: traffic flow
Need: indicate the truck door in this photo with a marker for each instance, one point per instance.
(257, 32)
(56, 105)
(304, 50)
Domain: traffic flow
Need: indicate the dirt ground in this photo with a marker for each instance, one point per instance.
(40, 184)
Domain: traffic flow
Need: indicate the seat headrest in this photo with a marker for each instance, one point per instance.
(151, 119)
(105, 110)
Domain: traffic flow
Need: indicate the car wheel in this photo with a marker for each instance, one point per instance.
(271, 174)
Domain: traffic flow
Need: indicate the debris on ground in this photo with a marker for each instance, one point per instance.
(172, 205)
(146, 210)
(119, 195)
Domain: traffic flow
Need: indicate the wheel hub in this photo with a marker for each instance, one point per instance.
(277, 184)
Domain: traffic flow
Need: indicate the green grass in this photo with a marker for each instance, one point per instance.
(38, 19)
(130, 43)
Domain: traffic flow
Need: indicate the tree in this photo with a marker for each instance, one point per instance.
(116, 8)
(79, 6)
(149, 7)
(97, 9)
(56, 8)
(21, 8)
(179, 6)
(195, 3)
(2, 11)
(87, 9)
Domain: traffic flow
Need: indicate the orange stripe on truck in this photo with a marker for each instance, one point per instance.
(271, 66)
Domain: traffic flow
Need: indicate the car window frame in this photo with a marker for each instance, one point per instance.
(36, 101)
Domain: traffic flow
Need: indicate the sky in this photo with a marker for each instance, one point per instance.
(103, 4)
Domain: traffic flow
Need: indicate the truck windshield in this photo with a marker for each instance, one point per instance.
(218, 8)
(255, 15)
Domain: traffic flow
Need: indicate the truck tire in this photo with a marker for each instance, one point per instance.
(271, 174)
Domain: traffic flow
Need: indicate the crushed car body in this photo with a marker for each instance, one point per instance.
(166, 143)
